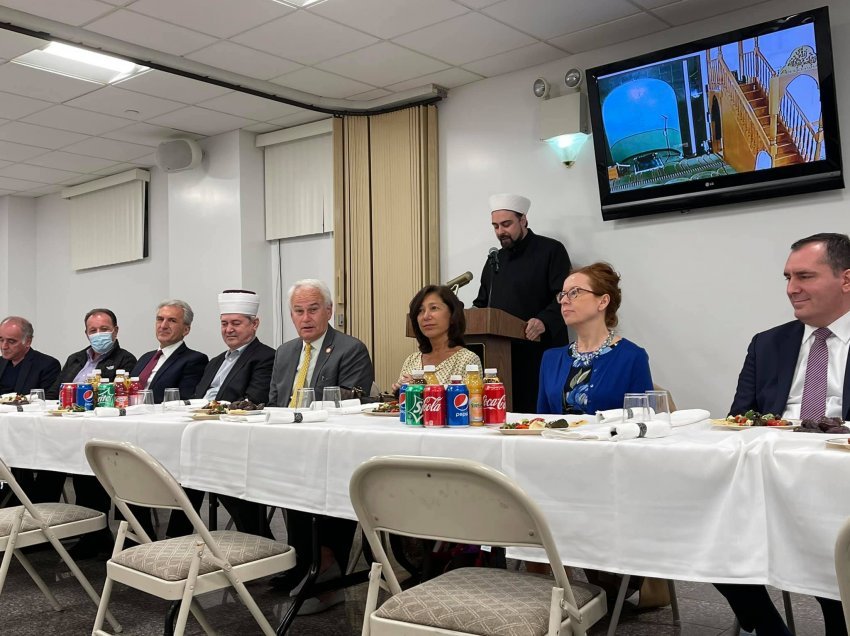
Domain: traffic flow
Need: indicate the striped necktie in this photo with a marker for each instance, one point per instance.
(301, 378)
(813, 404)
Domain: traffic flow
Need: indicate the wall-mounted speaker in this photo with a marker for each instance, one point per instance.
(178, 154)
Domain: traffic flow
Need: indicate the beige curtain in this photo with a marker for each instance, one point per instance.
(387, 237)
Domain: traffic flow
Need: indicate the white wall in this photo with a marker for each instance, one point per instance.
(17, 256)
(696, 287)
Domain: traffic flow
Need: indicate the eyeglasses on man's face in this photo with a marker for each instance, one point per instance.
(571, 294)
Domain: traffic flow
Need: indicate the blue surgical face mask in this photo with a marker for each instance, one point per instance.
(101, 342)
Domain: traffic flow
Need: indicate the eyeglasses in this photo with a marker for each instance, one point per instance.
(572, 294)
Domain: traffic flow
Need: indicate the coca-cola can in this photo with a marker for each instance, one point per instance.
(67, 395)
(495, 403)
(434, 406)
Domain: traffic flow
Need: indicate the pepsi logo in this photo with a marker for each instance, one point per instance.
(88, 395)
(461, 401)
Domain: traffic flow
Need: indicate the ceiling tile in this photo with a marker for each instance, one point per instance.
(32, 82)
(262, 127)
(7, 183)
(18, 152)
(221, 18)
(549, 18)
(15, 106)
(538, 53)
(148, 161)
(654, 4)
(464, 39)
(201, 121)
(155, 34)
(76, 120)
(302, 117)
(40, 191)
(249, 106)
(68, 161)
(115, 168)
(318, 82)
(74, 12)
(305, 38)
(111, 100)
(37, 173)
(41, 136)
(450, 78)
(13, 44)
(171, 86)
(614, 32)
(236, 58)
(147, 134)
(383, 64)
(477, 4)
(388, 19)
(686, 11)
(375, 93)
(108, 149)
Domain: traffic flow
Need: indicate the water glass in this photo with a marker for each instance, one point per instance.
(304, 398)
(659, 403)
(145, 396)
(331, 396)
(37, 397)
(635, 407)
(171, 398)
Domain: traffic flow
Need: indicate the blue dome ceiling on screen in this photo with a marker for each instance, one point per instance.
(641, 117)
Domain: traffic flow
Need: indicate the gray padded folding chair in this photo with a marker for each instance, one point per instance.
(32, 524)
(463, 502)
(183, 567)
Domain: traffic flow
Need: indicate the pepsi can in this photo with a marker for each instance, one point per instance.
(457, 404)
(401, 391)
(85, 396)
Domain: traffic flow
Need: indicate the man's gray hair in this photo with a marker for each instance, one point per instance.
(188, 314)
(24, 324)
(312, 283)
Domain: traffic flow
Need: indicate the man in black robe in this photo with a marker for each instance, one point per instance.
(523, 279)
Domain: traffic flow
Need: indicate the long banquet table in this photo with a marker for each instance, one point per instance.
(755, 506)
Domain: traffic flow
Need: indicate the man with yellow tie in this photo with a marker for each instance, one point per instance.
(321, 356)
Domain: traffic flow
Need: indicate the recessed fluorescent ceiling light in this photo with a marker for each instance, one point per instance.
(298, 4)
(80, 63)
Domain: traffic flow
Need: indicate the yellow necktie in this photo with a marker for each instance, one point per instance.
(301, 378)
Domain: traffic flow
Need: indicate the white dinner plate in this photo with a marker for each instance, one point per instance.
(840, 443)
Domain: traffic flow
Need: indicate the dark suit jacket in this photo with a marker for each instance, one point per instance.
(36, 371)
(343, 361)
(765, 380)
(249, 378)
(117, 358)
(182, 370)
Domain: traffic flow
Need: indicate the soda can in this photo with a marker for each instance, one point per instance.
(67, 395)
(457, 405)
(85, 396)
(494, 404)
(106, 394)
(401, 393)
(434, 406)
(413, 402)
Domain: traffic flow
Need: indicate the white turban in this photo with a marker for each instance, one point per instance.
(247, 303)
(512, 202)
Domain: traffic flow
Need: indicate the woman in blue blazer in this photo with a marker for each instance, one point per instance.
(593, 372)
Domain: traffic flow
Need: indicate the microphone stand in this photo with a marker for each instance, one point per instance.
(493, 257)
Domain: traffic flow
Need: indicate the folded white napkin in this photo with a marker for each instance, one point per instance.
(613, 433)
(688, 416)
(195, 403)
(612, 416)
(139, 409)
(107, 411)
(26, 408)
(349, 403)
(288, 416)
(257, 417)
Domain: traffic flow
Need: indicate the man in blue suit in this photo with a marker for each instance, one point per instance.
(800, 370)
(22, 368)
(173, 364)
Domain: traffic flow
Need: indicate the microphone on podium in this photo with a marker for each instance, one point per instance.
(493, 257)
(459, 281)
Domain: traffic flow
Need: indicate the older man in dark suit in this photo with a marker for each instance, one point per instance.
(321, 356)
(172, 364)
(22, 368)
(800, 370)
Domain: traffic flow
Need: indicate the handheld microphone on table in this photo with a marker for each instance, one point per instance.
(459, 281)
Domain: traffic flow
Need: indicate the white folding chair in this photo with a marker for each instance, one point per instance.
(464, 502)
(183, 567)
(32, 524)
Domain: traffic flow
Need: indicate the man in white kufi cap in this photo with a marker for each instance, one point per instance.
(523, 278)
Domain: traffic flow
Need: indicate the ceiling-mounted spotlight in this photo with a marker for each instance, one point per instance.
(540, 88)
(573, 78)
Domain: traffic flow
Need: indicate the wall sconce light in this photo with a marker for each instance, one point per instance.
(563, 125)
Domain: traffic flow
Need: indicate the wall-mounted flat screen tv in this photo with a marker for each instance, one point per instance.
(746, 115)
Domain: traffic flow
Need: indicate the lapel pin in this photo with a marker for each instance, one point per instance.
(329, 349)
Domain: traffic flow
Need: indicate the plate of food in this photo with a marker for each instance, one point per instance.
(841, 443)
(245, 407)
(14, 399)
(200, 417)
(67, 409)
(753, 419)
(384, 409)
(73, 414)
(536, 425)
(830, 425)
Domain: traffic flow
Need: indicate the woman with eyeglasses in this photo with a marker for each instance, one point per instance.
(594, 371)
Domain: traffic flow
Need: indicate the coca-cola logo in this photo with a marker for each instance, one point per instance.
(495, 403)
(433, 404)
(461, 401)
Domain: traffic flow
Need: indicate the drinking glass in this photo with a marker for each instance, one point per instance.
(331, 396)
(635, 407)
(145, 396)
(37, 397)
(171, 398)
(659, 402)
(304, 398)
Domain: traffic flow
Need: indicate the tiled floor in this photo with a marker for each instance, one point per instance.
(25, 612)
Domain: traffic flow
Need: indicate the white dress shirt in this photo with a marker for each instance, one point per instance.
(230, 359)
(837, 344)
(314, 355)
(166, 353)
